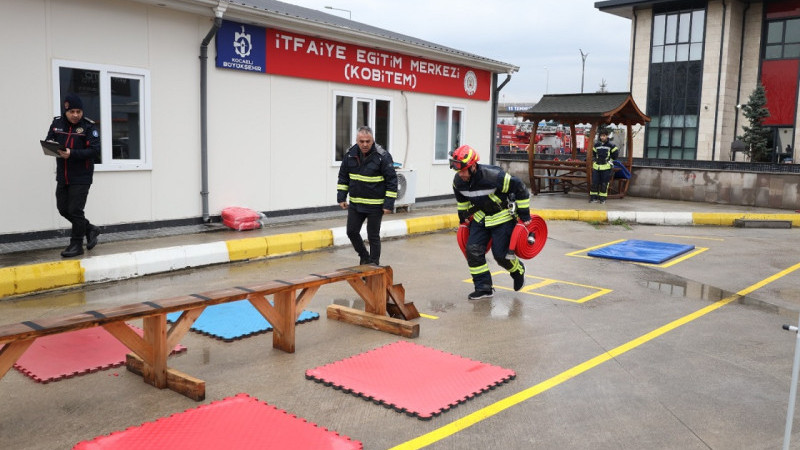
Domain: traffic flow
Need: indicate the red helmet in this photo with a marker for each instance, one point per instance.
(463, 157)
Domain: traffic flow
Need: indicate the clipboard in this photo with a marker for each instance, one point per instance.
(51, 148)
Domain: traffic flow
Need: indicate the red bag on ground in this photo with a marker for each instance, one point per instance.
(238, 218)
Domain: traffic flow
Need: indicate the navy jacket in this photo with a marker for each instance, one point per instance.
(370, 179)
(83, 140)
(486, 196)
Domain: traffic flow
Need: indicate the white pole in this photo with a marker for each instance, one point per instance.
(787, 435)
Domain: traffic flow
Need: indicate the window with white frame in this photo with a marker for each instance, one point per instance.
(116, 99)
(449, 122)
(354, 111)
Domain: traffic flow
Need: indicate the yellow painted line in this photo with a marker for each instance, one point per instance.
(247, 248)
(431, 223)
(585, 250)
(497, 407)
(528, 289)
(696, 252)
(428, 316)
(281, 244)
(691, 237)
(312, 240)
(49, 275)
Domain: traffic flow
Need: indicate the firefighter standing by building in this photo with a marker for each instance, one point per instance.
(603, 155)
(483, 193)
(368, 176)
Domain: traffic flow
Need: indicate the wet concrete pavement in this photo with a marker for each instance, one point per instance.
(607, 354)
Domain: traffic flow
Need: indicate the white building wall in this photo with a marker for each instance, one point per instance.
(270, 137)
(641, 67)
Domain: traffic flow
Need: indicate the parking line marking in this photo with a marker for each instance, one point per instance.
(691, 237)
(530, 288)
(497, 407)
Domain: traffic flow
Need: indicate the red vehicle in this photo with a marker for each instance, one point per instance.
(512, 138)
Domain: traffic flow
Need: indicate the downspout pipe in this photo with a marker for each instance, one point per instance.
(633, 50)
(494, 115)
(719, 82)
(218, 12)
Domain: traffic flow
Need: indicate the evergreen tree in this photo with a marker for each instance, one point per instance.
(756, 136)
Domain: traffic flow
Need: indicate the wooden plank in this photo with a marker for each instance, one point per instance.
(182, 325)
(376, 303)
(130, 339)
(45, 326)
(360, 287)
(155, 334)
(303, 299)
(376, 322)
(283, 336)
(177, 381)
(10, 353)
(266, 309)
(397, 295)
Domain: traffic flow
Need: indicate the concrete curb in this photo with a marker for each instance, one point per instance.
(40, 277)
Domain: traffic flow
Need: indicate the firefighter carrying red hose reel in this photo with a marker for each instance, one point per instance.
(493, 208)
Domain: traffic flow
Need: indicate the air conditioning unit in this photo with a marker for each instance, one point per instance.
(406, 188)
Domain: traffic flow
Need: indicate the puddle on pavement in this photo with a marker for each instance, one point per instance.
(682, 288)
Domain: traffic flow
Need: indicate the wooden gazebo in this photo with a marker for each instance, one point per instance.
(597, 109)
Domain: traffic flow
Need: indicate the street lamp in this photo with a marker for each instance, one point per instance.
(547, 80)
(349, 14)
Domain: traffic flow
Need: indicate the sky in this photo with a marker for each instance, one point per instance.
(544, 39)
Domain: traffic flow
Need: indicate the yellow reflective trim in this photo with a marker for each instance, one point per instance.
(367, 201)
(506, 183)
(366, 179)
(467, 158)
(342, 187)
(479, 269)
(524, 203)
(391, 194)
(496, 219)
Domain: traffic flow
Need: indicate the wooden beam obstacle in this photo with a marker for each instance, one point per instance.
(289, 298)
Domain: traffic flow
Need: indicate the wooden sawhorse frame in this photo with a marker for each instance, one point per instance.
(289, 298)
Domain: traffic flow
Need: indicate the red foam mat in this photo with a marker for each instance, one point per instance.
(240, 422)
(58, 356)
(411, 378)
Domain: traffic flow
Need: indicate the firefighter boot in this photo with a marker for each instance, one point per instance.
(519, 277)
(75, 248)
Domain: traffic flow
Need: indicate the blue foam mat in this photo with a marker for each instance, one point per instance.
(235, 320)
(641, 251)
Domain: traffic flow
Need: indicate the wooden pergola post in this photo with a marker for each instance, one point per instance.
(569, 109)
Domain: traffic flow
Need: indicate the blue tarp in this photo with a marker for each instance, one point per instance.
(235, 320)
(623, 172)
(642, 251)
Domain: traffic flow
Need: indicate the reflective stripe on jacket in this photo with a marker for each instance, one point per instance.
(603, 155)
(486, 196)
(368, 179)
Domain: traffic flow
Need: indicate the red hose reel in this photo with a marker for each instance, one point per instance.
(526, 241)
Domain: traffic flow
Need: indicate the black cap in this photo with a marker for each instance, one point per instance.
(72, 101)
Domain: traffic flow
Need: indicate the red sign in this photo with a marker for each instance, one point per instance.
(297, 55)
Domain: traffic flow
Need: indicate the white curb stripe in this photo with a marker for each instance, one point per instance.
(109, 267)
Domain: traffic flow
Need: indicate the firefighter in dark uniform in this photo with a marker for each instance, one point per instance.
(367, 174)
(483, 193)
(80, 140)
(603, 155)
